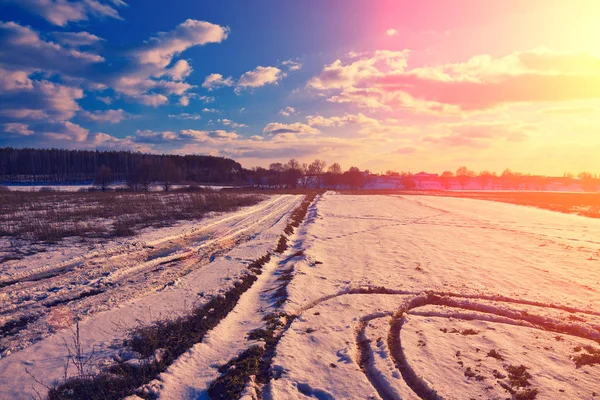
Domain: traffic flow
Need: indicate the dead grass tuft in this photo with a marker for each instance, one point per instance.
(590, 356)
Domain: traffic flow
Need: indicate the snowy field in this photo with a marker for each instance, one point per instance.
(425, 297)
(161, 273)
(391, 297)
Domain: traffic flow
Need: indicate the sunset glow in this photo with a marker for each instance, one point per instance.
(382, 85)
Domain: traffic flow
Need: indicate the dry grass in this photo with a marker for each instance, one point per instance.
(51, 216)
(171, 337)
(589, 356)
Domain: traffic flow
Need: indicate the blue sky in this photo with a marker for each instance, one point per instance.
(382, 85)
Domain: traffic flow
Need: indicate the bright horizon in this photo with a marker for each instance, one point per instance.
(392, 86)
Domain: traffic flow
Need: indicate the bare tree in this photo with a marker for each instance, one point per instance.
(354, 178)
(103, 178)
(334, 175)
(485, 177)
(463, 174)
(133, 181)
(406, 178)
(170, 174)
(517, 179)
(589, 182)
(445, 179)
(294, 173)
(540, 183)
(316, 169)
(144, 175)
(258, 175)
(275, 172)
(506, 178)
(306, 177)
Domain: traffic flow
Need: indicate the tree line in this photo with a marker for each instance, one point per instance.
(317, 174)
(143, 171)
(30, 165)
(506, 180)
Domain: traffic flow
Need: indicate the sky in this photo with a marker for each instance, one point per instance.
(381, 85)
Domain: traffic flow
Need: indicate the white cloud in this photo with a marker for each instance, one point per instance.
(210, 110)
(214, 81)
(20, 129)
(184, 101)
(76, 39)
(234, 125)
(208, 136)
(222, 134)
(260, 76)
(286, 112)
(185, 116)
(153, 100)
(107, 116)
(30, 53)
(68, 131)
(382, 80)
(40, 100)
(391, 32)
(204, 99)
(141, 78)
(276, 128)
(180, 70)
(358, 119)
(292, 65)
(161, 49)
(105, 99)
(14, 80)
(172, 87)
(61, 12)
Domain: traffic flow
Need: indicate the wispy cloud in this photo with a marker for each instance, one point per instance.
(260, 76)
(106, 116)
(20, 129)
(230, 123)
(382, 80)
(288, 111)
(214, 81)
(61, 12)
(185, 116)
(76, 39)
(276, 128)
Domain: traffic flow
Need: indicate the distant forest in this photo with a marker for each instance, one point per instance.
(84, 166)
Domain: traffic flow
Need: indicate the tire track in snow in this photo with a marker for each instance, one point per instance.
(137, 277)
(463, 307)
(136, 247)
(366, 358)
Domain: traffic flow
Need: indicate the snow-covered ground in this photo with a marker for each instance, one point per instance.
(431, 183)
(394, 297)
(160, 274)
(520, 281)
